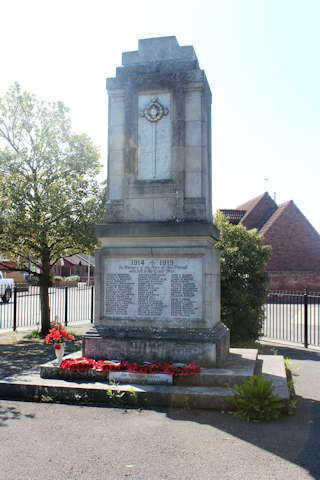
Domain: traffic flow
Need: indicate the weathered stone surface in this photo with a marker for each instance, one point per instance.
(144, 349)
(207, 347)
(129, 378)
(199, 251)
(157, 271)
(155, 149)
(156, 229)
(273, 369)
(158, 287)
(158, 49)
(154, 137)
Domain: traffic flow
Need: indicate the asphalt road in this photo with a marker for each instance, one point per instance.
(70, 442)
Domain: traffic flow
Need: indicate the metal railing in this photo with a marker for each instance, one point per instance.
(293, 317)
(68, 304)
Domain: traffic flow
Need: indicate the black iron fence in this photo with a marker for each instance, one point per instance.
(68, 304)
(289, 316)
(293, 317)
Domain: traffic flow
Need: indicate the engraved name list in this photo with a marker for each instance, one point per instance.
(153, 287)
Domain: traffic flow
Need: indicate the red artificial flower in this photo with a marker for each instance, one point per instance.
(83, 363)
(58, 334)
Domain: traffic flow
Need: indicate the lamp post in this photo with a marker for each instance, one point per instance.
(88, 270)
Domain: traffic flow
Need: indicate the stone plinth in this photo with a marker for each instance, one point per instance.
(158, 298)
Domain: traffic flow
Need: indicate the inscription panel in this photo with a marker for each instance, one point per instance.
(160, 288)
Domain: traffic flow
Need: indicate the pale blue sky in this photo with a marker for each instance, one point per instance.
(261, 58)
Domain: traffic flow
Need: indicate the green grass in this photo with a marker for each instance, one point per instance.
(248, 344)
(32, 335)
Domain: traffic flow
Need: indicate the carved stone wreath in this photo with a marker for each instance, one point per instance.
(154, 111)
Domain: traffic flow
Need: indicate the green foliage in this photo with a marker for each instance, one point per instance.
(134, 397)
(186, 402)
(57, 278)
(243, 279)
(48, 399)
(72, 278)
(32, 335)
(287, 364)
(115, 395)
(49, 197)
(255, 401)
(292, 404)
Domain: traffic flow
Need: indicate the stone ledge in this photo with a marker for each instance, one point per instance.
(32, 387)
(208, 348)
(157, 229)
(273, 369)
(181, 334)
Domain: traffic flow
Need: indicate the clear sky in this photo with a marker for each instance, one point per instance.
(261, 58)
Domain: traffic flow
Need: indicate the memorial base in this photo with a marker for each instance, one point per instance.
(157, 289)
(206, 347)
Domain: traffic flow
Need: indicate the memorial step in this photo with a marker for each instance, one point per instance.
(29, 385)
(239, 367)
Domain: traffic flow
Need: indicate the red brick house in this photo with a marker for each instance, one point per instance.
(78, 264)
(75, 265)
(295, 259)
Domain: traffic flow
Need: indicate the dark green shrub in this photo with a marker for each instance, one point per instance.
(243, 261)
(255, 401)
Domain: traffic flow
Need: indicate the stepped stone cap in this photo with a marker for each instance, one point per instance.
(158, 50)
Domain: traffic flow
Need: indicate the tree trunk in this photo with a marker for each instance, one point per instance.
(44, 297)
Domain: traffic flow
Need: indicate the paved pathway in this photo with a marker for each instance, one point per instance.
(71, 442)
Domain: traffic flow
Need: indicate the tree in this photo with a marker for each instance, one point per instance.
(49, 198)
(243, 279)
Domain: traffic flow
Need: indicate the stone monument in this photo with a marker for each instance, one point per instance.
(157, 272)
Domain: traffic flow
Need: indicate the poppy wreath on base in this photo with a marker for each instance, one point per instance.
(175, 369)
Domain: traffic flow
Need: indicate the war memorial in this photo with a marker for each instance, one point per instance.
(157, 277)
(157, 271)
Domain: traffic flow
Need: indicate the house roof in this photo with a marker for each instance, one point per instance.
(295, 243)
(81, 257)
(258, 211)
(233, 215)
(251, 203)
(274, 217)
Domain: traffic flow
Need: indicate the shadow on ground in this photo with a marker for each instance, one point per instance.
(28, 354)
(295, 439)
(10, 413)
(290, 352)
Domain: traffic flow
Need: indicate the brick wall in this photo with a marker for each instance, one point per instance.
(295, 243)
(295, 281)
